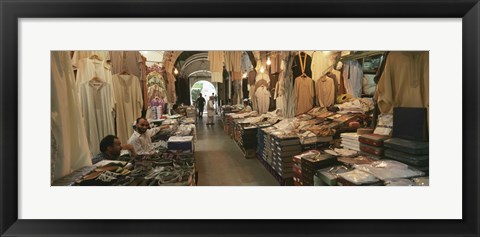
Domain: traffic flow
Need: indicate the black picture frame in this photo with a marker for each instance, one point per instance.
(11, 11)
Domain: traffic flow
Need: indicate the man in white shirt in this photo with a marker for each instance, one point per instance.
(141, 139)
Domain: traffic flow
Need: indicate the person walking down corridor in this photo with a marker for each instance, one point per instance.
(200, 105)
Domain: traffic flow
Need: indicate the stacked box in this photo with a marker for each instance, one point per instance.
(350, 141)
(372, 144)
(283, 149)
(183, 143)
(328, 176)
(413, 153)
(311, 161)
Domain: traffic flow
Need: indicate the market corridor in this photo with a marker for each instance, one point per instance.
(221, 163)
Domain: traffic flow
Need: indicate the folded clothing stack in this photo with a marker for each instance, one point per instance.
(283, 150)
(372, 144)
(350, 141)
(413, 153)
(313, 162)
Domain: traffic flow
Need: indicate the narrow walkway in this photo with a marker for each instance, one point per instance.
(220, 162)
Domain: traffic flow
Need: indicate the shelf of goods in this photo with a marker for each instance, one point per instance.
(245, 136)
(171, 168)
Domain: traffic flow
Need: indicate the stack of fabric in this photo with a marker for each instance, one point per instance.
(297, 170)
(313, 161)
(350, 141)
(284, 147)
(413, 153)
(372, 145)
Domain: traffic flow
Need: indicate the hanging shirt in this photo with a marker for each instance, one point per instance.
(320, 62)
(126, 60)
(89, 68)
(97, 105)
(171, 96)
(404, 82)
(142, 143)
(325, 89)
(67, 127)
(275, 59)
(233, 62)
(216, 59)
(262, 76)
(304, 93)
(262, 96)
(128, 98)
(297, 67)
(79, 55)
(353, 78)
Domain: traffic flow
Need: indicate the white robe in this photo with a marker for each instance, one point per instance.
(66, 120)
(97, 106)
(128, 98)
(263, 99)
(216, 59)
(78, 55)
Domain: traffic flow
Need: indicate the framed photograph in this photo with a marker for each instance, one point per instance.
(32, 30)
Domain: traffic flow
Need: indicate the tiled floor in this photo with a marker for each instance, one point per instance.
(220, 161)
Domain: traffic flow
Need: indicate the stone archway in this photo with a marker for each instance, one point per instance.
(204, 87)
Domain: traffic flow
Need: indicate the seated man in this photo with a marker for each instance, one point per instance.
(110, 147)
(141, 139)
(246, 107)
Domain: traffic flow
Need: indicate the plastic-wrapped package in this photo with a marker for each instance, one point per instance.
(384, 125)
(360, 160)
(399, 182)
(358, 177)
(345, 152)
(185, 130)
(389, 169)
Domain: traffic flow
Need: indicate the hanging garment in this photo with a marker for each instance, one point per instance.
(156, 90)
(262, 76)
(340, 87)
(320, 63)
(304, 89)
(128, 98)
(78, 55)
(262, 96)
(66, 119)
(129, 61)
(251, 95)
(89, 68)
(237, 92)
(246, 64)
(233, 62)
(245, 88)
(404, 82)
(353, 78)
(216, 59)
(275, 60)
(278, 96)
(325, 89)
(289, 105)
(171, 96)
(97, 104)
(297, 67)
(304, 94)
(251, 77)
(273, 82)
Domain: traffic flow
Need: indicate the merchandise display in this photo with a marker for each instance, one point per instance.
(221, 118)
